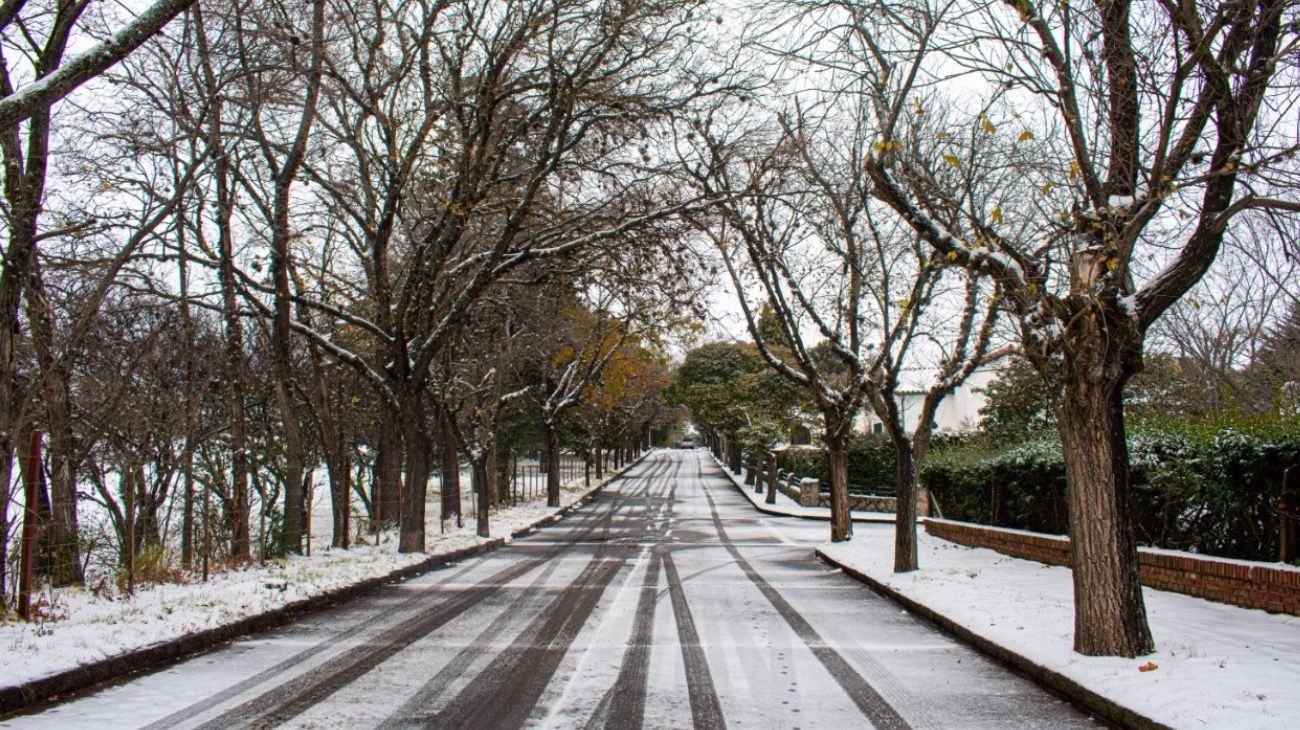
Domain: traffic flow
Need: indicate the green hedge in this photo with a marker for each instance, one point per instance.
(1206, 487)
(871, 463)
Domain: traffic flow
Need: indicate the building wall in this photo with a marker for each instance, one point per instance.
(958, 412)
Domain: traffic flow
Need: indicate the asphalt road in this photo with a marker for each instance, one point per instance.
(668, 602)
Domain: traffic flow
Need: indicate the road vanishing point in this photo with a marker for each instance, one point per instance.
(667, 602)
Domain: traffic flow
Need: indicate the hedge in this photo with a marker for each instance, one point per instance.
(871, 463)
(1204, 487)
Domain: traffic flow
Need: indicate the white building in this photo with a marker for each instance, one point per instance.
(959, 411)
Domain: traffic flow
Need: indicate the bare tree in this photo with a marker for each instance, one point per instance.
(288, 89)
(1136, 112)
(856, 299)
(56, 76)
(766, 242)
(531, 161)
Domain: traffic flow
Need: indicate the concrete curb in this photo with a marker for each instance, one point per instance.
(17, 697)
(767, 510)
(1098, 704)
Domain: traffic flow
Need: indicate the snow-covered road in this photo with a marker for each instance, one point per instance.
(667, 602)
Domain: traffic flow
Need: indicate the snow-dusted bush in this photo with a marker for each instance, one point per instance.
(1206, 486)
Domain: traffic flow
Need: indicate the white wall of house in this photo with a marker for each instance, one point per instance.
(957, 412)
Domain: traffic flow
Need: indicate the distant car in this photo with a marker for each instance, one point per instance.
(686, 442)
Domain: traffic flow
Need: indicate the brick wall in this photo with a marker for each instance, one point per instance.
(1272, 587)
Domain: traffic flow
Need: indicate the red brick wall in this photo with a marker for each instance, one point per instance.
(1268, 586)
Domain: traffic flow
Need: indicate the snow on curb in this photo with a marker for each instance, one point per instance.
(801, 512)
(1216, 665)
(103, 639)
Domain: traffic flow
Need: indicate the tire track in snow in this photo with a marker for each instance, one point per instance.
(504, 692)
(432, 690)
(289, 699)
(371, 623)
(870, 703)
(705, 709)
(623, 705)
(368, 623)
(410, 715)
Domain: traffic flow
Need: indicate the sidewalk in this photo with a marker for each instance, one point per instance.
(93, 636)
(1217, 666)
(786, 507)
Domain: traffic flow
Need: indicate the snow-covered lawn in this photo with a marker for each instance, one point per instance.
(89, 627)
(1218, 666)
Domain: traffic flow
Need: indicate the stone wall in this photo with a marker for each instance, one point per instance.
(862, 502)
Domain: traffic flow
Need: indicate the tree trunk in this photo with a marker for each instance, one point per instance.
(281, 336)
(128, 531)
(502, 473)
(334, 446)
(600, 463)
(733, 457)
(479, 480)
(65, 535)
(450, 474)
(388, 469)
(905, 556)
(149, 502)
(187, 452)
(291, 528)
(241, 540)
(841, 522)
(552, 465)
(493, 489)
(340, 475)
(411, 522)
(1109, 615)
(237, 512)
(6, 478)
(30, 463)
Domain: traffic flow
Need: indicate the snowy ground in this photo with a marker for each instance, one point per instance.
(665, 603)
(89, 627)
(1218, 666)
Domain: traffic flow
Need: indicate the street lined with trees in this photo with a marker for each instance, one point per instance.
(250, 247)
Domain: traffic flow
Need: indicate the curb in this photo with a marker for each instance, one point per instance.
(778, 513)
(17, 697)
(1102, 706)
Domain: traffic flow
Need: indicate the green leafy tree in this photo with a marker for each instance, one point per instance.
(730, 390)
